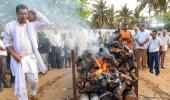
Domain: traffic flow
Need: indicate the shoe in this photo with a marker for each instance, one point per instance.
(163, 67)
(151, 72)
(66, 66)
(11, 84)
(49, 68)
(6, 85)
(34, 98)
(157, 74)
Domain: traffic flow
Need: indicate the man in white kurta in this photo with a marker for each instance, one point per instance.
(166, 42)
(20, 41)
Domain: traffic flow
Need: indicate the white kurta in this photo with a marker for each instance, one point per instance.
(25, 46)
(12, 36)
(24, 42)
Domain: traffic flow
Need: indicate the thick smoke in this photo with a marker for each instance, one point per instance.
(66, 27)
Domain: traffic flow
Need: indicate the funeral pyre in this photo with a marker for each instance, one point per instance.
(107, 75)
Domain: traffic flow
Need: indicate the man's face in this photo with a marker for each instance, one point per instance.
(22, 15)
(154, 35)
(126, 27)
(164, 33)
(142, 29)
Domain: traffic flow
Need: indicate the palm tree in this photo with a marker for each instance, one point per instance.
(99, 18)
(83, 10)
(110, 13)
(124, 15)
(156, 5)
(137, 16)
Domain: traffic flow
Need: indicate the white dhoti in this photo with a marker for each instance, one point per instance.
(28, 67)
(33, 82)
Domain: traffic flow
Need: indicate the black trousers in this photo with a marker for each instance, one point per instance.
(56, 58)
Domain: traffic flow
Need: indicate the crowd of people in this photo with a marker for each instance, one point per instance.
(150, 49)
(54, 53)
(148, 46)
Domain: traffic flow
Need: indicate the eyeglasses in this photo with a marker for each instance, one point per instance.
(23, 14)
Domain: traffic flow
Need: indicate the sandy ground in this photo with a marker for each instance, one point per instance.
(153, 87)
(55, 85)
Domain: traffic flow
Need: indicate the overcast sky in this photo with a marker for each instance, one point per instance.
(119, 3)
(131, 4)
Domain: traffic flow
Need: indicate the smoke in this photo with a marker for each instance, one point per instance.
(67, 28)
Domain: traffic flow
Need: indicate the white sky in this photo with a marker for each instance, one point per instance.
(131, 4)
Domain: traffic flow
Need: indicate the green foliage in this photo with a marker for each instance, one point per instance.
(166, 20)
(111, 17)
(158, 6)
(83, 10)
(166, 17)
(125, 15)
(103, 15)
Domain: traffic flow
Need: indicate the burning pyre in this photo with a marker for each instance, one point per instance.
(107, 75)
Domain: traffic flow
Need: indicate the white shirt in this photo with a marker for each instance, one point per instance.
(2, 52)
(141, 37)
(154, 44)
(56, 40)
(165, 41)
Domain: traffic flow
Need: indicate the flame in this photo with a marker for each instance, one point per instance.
(102, 67)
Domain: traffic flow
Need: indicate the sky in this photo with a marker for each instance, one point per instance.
(131, 4)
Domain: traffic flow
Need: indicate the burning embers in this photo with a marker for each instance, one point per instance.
(107, 75)
(102, 67)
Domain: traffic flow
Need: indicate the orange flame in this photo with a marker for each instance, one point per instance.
(102, 67)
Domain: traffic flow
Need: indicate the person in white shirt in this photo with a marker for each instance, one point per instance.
(155, 45)
(142, 43)
(134, 41)
(100, 39)
(3, 67)
(166, 42)
(108, 37)
(21, 43)
(56, 50)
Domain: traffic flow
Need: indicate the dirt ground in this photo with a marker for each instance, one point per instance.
(57, 85)
(153, 87)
